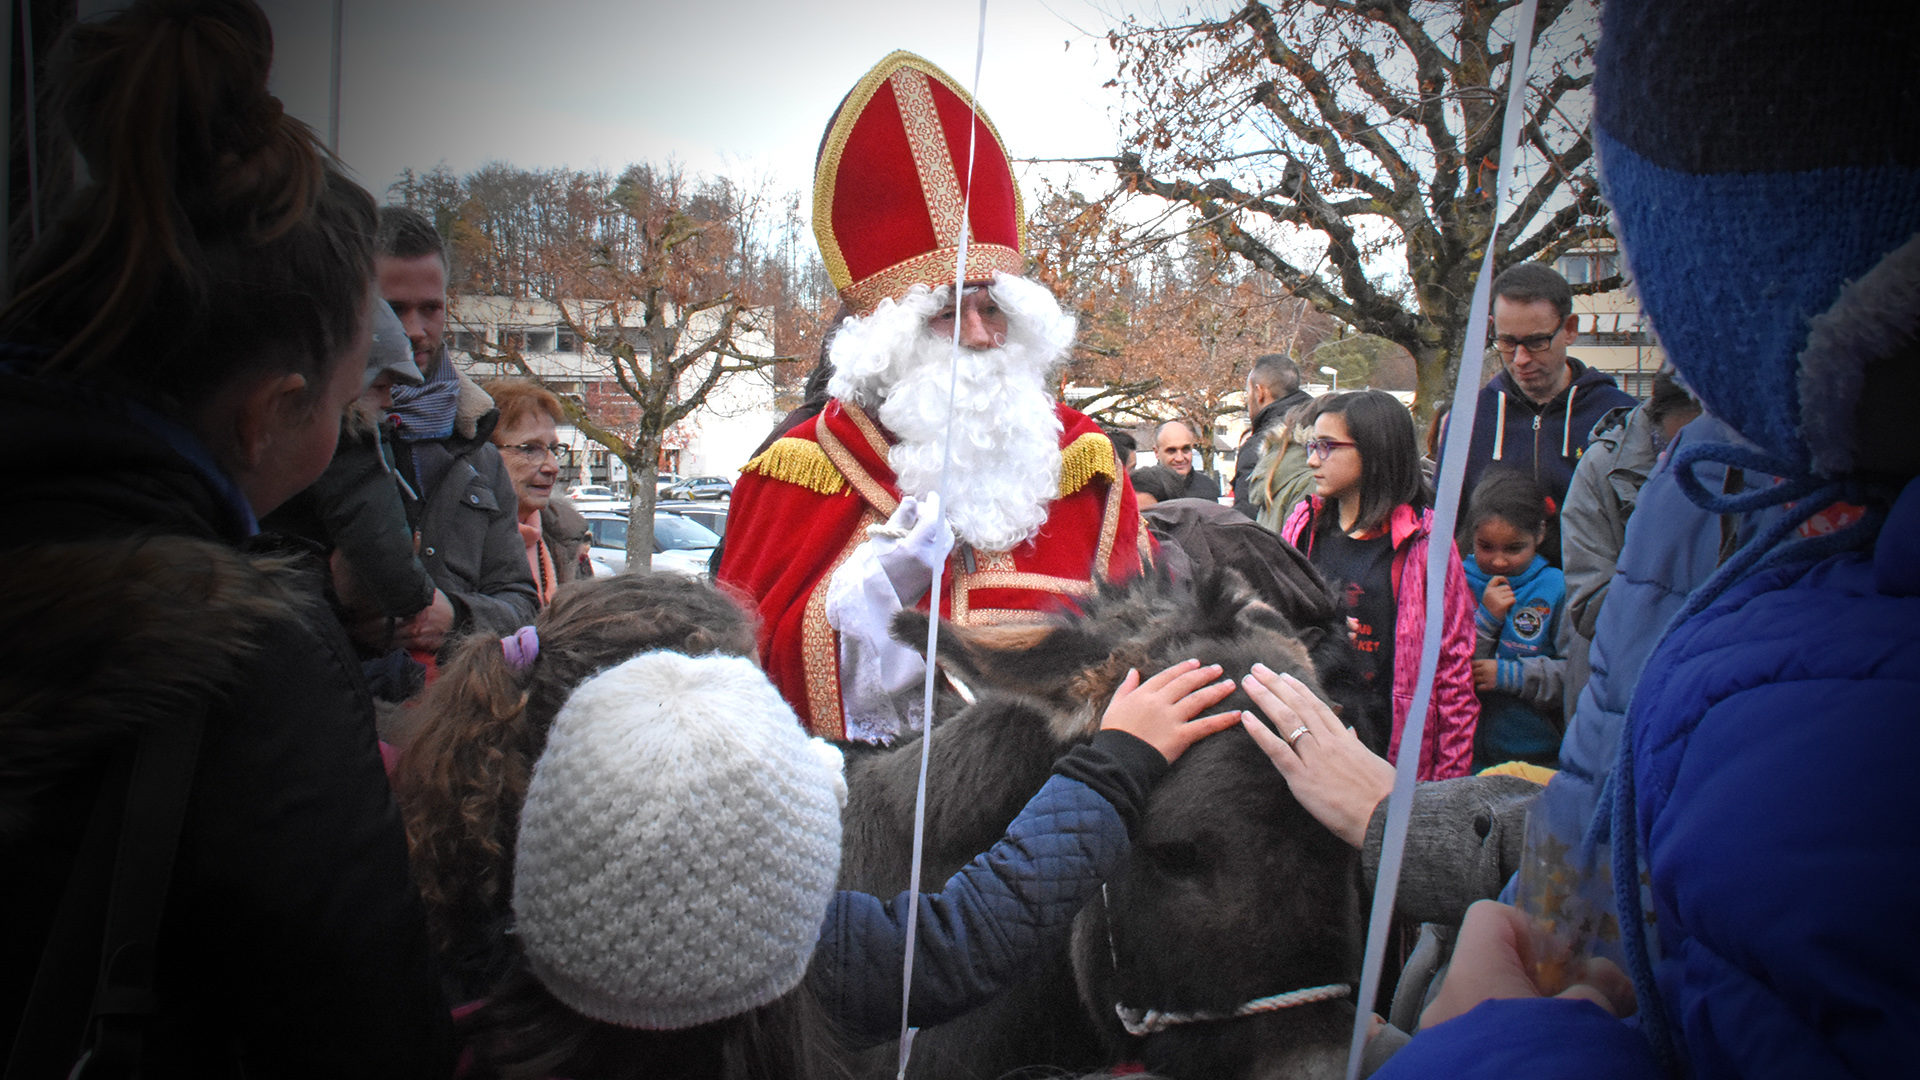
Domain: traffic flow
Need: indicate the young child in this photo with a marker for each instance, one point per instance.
(628, 847)
(1522, 634)
(1366, 525)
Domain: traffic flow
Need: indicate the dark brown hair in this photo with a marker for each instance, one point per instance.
(1382, 431)
(407, 234)
(524, 1033)
(463, 777)
(1532, 282)
(214, 238)
(1513, 497)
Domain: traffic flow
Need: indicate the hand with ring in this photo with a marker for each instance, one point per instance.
(1333, 774)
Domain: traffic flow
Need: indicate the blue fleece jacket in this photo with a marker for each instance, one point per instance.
(1519, 717)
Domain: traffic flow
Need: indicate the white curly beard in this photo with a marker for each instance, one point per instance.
(1005, 463)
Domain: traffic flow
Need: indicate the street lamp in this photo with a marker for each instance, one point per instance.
(1336, 379)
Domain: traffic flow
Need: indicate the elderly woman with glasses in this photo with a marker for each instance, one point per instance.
(529, 441)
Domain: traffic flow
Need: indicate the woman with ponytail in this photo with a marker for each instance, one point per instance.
(207, 872)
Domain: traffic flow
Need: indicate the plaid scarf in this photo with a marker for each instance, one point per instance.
(427, 411)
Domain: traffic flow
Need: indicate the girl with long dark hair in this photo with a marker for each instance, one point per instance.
(1366, 527)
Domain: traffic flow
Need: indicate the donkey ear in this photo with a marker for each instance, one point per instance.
(1227, 606)
(1040, 659)
(985, 655)
(909, 628)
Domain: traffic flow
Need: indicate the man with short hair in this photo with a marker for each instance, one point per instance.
(1537, 415)
(1273, 391)
(1174, 444)
(460, 498)
(835, 527)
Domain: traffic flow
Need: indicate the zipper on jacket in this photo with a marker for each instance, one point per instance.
(1536, 446)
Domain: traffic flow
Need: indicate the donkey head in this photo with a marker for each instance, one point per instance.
(1069, 668)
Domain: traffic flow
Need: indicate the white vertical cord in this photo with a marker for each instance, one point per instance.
(933, 594)
(1439, 547)
(333, 85)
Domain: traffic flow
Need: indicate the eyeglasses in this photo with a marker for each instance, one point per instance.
(1508, 344)
(562, 453)
(1320, 448)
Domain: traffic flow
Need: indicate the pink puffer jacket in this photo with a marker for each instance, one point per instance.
(1454, 711)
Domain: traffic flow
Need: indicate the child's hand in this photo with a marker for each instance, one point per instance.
(1486, 674)
(1160, 712)
(1498, 599)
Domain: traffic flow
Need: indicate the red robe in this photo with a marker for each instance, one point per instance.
(801, 508)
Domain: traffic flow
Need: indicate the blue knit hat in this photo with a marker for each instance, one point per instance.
(1761, 157)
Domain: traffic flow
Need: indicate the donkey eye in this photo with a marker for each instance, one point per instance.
(1180, 858)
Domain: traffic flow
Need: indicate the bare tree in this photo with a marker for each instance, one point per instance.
(1316, 139)
(1169, 327)
(658, 274)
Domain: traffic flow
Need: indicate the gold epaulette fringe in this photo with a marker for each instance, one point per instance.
(798, 461)
(1086, 457)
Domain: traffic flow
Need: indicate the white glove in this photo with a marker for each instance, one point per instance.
(893, 568)
(912, 542)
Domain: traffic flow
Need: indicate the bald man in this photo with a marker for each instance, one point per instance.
(1174, 444)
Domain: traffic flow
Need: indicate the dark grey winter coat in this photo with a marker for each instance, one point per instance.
(467, 518)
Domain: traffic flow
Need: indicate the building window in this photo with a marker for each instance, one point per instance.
(1587, 267)
(540, 341)
(468, 340)
(565, 340)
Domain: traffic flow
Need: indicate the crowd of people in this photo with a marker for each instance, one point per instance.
(325, 754)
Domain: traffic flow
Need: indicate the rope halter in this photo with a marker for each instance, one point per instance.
(1143, 1022)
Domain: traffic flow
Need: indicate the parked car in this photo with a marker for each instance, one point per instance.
(596, 497)
(699, 487)
(664, 481)
(680, 545)
(712, 513)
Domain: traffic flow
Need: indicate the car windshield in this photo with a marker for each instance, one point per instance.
(673, 532)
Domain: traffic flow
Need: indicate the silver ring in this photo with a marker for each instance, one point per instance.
(1294, 735)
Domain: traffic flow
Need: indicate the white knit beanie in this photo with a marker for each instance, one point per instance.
(679, 844)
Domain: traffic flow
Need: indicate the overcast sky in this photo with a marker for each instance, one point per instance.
(742, 87)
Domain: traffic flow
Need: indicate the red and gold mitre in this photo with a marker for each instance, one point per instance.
(891, 182)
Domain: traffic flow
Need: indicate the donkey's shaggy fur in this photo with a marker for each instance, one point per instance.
(1232, 888)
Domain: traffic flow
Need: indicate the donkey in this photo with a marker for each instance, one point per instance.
(1224, 854)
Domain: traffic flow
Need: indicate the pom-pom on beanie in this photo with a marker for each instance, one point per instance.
(679, 844)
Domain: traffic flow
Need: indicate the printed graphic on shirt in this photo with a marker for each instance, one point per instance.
(1366, 633)
(1530, 620)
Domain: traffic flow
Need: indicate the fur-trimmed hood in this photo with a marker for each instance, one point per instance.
(103, 637)
(474, 416)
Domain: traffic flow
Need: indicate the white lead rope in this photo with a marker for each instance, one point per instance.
(1446, 512)
(933, 593)
(1143, 1022)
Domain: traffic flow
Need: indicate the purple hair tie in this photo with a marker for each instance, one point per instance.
(521, 647)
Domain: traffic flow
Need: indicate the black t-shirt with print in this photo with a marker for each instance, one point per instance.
(1363, 571)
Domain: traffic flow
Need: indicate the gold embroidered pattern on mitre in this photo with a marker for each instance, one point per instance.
(798, 461)
(928, 144)
(1086, 457)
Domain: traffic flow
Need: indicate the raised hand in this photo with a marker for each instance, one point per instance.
(1160, 711)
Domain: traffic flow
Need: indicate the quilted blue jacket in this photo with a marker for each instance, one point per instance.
(996, 919)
